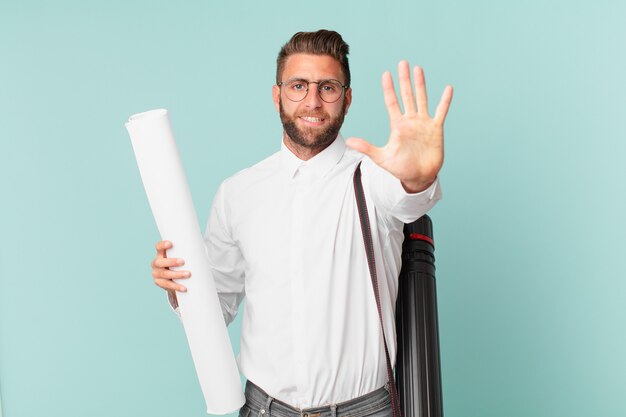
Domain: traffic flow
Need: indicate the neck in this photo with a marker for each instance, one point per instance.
(302, 152)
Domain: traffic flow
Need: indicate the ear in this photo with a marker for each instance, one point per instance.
(348, 99)
(276, 96)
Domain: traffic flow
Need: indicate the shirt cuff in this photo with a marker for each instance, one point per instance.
(410, 207)
(429, 193)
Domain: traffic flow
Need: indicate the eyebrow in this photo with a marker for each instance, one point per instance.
(311, 81)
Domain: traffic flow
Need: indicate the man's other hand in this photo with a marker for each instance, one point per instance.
(161, 272)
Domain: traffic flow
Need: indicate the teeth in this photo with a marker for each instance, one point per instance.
(312, 119)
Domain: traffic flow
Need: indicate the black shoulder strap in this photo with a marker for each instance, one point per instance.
(369, 249)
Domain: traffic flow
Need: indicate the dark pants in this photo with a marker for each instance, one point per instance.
(259, 404)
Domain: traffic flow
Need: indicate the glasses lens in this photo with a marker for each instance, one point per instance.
(296, 90)
(330, 90)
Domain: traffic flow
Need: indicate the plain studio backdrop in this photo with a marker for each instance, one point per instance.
(530, 233)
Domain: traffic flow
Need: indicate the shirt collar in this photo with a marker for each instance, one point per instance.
(319, 165)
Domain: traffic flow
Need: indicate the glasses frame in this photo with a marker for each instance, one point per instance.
(344, 87)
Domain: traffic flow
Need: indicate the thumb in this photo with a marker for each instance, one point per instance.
(361, 145)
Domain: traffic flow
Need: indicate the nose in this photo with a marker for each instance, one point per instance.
(313, 99)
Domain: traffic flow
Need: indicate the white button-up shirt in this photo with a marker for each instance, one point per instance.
(285, 233)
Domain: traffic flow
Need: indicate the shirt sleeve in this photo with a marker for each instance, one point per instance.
(225, 259)
(390, 198)
(227, 263)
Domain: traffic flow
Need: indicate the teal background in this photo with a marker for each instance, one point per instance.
(530, 251)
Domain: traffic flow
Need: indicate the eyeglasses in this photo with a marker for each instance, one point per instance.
(329, 90)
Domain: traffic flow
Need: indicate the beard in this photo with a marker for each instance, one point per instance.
(312, 138)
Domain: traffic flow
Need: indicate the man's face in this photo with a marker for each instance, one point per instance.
(311, 123)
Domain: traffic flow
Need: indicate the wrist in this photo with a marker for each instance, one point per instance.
(414, 187)
(171, 295)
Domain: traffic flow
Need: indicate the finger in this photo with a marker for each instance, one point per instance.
(169, 285)
(444, 104)
(420, 91)
(389, 94)
(167, 262)
(408, 101)
(161, 248)
(168, 274)
(361, 145)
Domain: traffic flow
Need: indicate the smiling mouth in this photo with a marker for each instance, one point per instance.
(312, 119)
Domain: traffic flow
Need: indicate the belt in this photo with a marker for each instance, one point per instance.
(260, 404)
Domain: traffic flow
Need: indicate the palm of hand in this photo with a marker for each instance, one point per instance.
(414, 151)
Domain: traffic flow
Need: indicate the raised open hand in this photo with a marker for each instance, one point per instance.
(414, 152)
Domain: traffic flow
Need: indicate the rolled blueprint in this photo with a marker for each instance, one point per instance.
(170, 200)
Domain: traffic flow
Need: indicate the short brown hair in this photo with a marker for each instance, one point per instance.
(322, 42)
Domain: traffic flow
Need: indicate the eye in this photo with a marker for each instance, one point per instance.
(297, 86)
(329, 87)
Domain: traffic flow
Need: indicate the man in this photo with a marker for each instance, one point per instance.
(286, 234)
